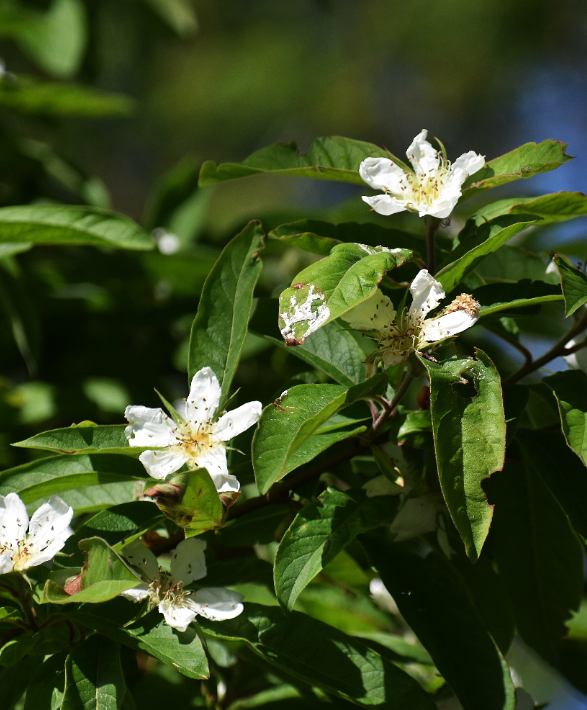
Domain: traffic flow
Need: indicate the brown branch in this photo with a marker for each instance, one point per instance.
(514, 343)
(432, 224)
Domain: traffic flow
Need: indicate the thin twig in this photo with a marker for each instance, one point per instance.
(514, 343)
(432, 224)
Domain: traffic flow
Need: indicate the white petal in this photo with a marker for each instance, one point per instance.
(416, 517)
(385, 204)
(6, 564)
(214, 460)
(238, 420)
(216, 603)
(136, 594)
(188, 562)
(427, 293)
(180, 617)
(578, 360)
(392, 358)
(445, 326)
(225, 483)
(440, 209)
(372, 314)
(160, 464)
(204, 396)
(48, 531)
(140, 557)
(422, 155)
(14, 519)
(382, 173)
(151, 427)
(468, 164)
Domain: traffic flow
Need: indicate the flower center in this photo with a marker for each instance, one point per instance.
(401, 334)
(161, 591)
(426, 189)
(195, 439)
(21, 556)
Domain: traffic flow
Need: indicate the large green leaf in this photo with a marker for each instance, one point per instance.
(570, 390)
(104, 576)
(487, 239)
(333, 158)
(432, 600)
(219, 328)
(91, 499)
(497, 298)
(68, 224)
(469, 440)
(574, 285)
(322, 656)
(332, 286)
(93, 676)
(523, 162)
(320, 237)
(45, 687)
(84, 438)
(319, 532)
(181, 649)
(284, 428)
(57, 474)
(15, 681)
(537, 554)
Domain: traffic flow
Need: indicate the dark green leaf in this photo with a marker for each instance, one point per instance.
(537, 554)
(322, 656)
(84, 438)
(255, 528)
(570, 390)
(219, 329)
(469, 439)
(471, 252)
(436, 606)
(12, 651)
(333, 158)
(93, 676)
(496, 298)
(574, 285)
(556, 207)
(45, 687)
(14, 681)
(319, 532)
(523, 162)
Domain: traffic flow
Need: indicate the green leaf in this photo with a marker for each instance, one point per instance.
(537, 554)
(256, 528)
(50, 98)
(93, 676)
(322, 656)
(570, 390)
(469, 440)
(13, 651)
(94, 498)
(471, 252)
(333, 158)
(178, 14)
(433, 601)
(319, 532)
(14, 681)
(45, 687)
(574, 285)
(191, 500)
(181, 649)
(320, 237)
(283, 429)
(220, 326)
(56, 474)
(104, 576)
(66, 224)
(546, 454)
(332, 286)
(499, 297)
(83, 438)
(555, 207)
(523, 162)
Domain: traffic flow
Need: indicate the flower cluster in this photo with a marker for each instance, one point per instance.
(167, 590)
(399, 334)
(199, 441)
(433, 188)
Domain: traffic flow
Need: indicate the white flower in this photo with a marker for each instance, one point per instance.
(432, 189)
(578, 360)
(47, 532)
(166, 590)
(400, 334)
(199, 441)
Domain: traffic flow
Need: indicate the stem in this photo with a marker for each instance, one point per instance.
(557, 350)
(432, 224)
(514, 343)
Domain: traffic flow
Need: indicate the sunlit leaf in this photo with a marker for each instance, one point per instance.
(570, 390)
(574, 285)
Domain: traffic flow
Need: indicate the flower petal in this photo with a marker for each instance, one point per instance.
(204, 396)
(214, 461)
(375, 313)
(385, 204)
(217, 604)
(238, 420)
(160, 464)
(381, 174)
(49, 529)
(578, 360)
(180, 617)
(445, 326)
(427, 293)
(416, 517)
(188, 562)
(225, 483)
(136, 594)
(422, 155)
(391, 358)
(140, 557)
(151, 427)
(468, 164)
(440, 209)
(6, 563)
(14, 519)
(382, 486)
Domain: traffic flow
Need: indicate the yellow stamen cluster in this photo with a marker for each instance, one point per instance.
(464, 302)
(426, 189)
